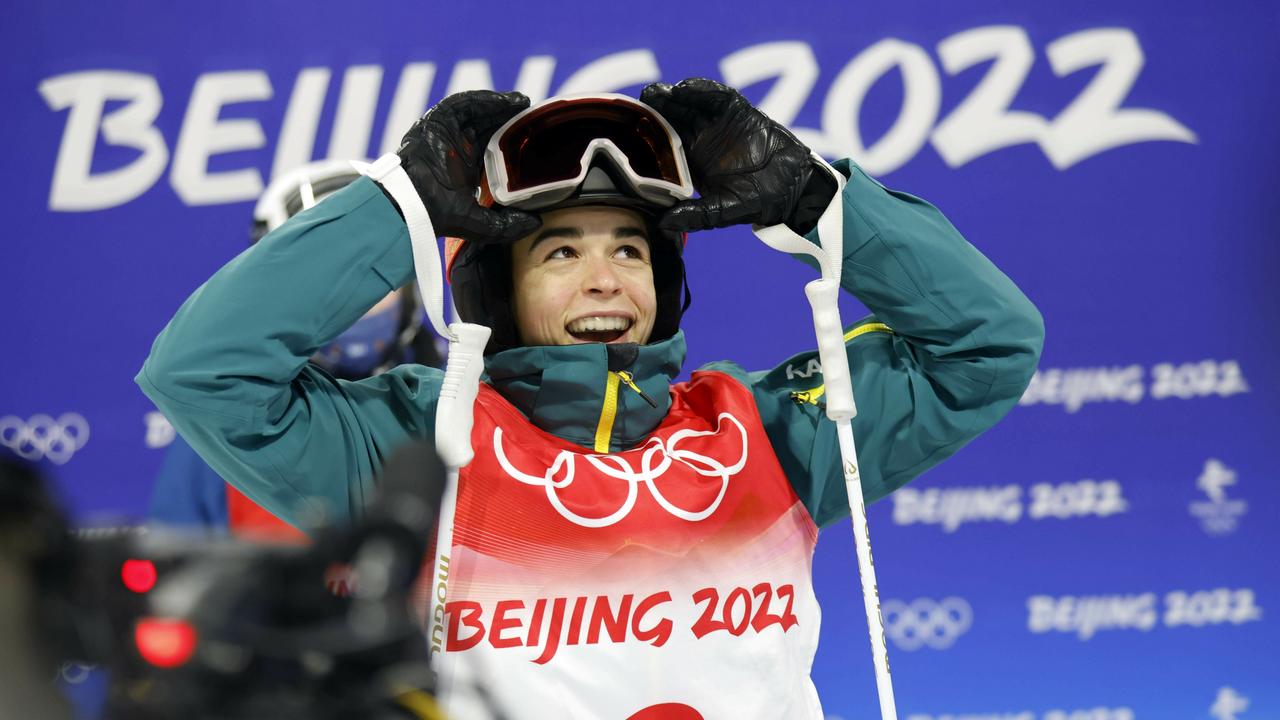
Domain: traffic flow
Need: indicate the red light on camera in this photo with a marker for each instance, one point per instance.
(164, 643)
(138, 575)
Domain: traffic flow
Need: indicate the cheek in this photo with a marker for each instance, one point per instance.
(541, 304)
(640, 289)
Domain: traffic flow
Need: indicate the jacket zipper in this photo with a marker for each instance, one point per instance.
(625, 377)
(609, 411)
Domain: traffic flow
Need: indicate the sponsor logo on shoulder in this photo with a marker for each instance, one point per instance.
(806, 371)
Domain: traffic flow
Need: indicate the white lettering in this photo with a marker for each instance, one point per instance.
(922, 94)
(534, 79)
(796, 70)
(811, 368)
(1075, 387)
(1077, 499)
(470, 75)
(354, 123)
(1193, 380)
(982, 122)
(1085, 616)
(301, 120)
(408, 104)
(1096, 713)
(1094, 122)
(75, 187)
(952, 507)
(204, 135)
(613, 72)
(1220, 606)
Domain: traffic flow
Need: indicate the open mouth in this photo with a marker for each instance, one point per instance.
(599, 329)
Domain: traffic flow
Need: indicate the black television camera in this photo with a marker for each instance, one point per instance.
(200, 630)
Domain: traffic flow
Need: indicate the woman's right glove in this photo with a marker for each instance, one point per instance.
(747, 168)
(443, 154)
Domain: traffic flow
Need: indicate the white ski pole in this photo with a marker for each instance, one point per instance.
(824, 295)
(465, 363)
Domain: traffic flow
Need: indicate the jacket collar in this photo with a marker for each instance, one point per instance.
(562, 388)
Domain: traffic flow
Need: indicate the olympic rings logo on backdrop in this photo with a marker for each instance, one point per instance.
(656, 458)
(43, 438)
(924, 621)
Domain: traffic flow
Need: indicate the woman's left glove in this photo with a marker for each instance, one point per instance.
(746, 167)
(443, 154)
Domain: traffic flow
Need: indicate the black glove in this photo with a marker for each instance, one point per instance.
(746, 167)
(443, 153)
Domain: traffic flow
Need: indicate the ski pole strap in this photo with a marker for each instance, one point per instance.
(388, 173)
(824, 294)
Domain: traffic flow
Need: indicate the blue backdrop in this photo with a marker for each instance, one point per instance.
(1104, 553)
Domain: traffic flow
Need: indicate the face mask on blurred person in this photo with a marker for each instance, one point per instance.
(365, 347)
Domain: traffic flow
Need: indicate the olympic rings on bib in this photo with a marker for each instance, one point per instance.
(656, 457)
(43, 438)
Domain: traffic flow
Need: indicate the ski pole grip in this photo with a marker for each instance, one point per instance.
(824, 298)
(454, 416)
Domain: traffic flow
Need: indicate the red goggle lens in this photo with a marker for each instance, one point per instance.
(546, 147)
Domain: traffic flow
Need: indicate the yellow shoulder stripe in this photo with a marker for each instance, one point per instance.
(864, 329)
(811, 395)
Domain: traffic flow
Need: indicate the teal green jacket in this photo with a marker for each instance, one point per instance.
(949, 349)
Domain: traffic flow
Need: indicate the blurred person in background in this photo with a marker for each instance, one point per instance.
(189, 494)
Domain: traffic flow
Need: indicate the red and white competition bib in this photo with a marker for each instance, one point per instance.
(669, 581)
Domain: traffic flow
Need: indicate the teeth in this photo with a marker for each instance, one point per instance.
(599, 324)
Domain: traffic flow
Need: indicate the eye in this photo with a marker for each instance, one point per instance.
(564, 252)
(631, 252)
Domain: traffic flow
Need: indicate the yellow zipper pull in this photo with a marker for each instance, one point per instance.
(631, 383)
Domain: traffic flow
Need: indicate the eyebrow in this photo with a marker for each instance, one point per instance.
(575, 233)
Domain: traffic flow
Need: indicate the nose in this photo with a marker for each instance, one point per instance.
(601, 278)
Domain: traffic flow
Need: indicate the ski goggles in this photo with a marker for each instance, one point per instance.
(540, 157)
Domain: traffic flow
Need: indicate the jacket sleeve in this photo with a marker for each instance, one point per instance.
(230, 370)
(950, 347)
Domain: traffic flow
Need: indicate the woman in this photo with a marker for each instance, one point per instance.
(624, 547)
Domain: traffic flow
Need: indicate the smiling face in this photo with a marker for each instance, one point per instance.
(585, 276)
